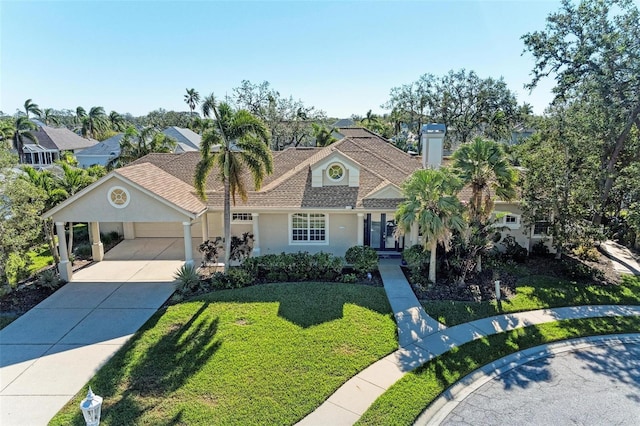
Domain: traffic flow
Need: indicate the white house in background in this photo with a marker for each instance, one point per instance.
(317, 199)
(52, 142)
(108, 149)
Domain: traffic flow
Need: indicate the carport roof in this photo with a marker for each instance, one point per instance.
(153, 180)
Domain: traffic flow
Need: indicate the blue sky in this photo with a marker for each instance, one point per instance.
(341, 57)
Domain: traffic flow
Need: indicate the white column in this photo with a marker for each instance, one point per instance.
(65, 266)
(129, 230)
(360, 227)
(256, 234)
(413, 235)
(97, 249)
(205, 227)
(188, 249)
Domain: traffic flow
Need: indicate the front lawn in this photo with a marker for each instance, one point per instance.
(538, 292)
(403, 402)
(266, 354)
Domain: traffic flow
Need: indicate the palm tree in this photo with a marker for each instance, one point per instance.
(7, 130)
(117, 121)
(30, 107)
(47, 116)
(483, 165)
(136, 144)
(192, 98)
(323, 134)
(94, 121)
(432, 205)
(244, 144)
(46, 181)
(81, 114)
(22, 130)
(73, 180)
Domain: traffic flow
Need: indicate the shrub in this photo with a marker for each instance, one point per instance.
(580, 271)
(234, 278)
(83, 250)
(417, 258)
(241, 247)
(586, 252)
(540, 249)
(513, 250)
(187, 279)
(106, 239)
(211, 249)
(349, 278)
(16, 268)
(363, 258)
(115, 237)
(49, 279)
(300, 266)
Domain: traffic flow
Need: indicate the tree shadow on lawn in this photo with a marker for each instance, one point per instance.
(151, 373)
(314, 304)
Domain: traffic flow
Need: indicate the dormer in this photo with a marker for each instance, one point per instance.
(335, 170)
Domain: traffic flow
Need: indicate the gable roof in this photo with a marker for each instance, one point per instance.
(60, 138)
(289, 186)
(187, 139)
(106, 147)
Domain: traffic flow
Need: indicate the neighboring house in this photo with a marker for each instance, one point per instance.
(108, 149)
(52, 142)
(317, 199)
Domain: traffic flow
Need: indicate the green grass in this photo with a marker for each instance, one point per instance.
(40, 258)
(406, 399)
(267, 354)
(538, 292)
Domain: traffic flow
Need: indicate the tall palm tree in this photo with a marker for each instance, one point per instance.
(117, 121)
(7, 129)
(136, 144)
(483, 165)
(48, 117)
(323, 134)
(30, 107)
(95, 121)
(22, 130)
(432, 205)
(192, 98)
(244, 144)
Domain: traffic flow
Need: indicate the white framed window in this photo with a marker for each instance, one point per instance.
(336, 172)
(541, 228)
(308, 228)
(241, 217)
(509, 220)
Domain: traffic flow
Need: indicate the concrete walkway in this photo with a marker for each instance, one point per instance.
(48, 354)
(624, 261)
(422, 338)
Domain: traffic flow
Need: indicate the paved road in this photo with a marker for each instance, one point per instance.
(591, 386)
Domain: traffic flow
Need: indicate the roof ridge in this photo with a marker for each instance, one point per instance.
(300, 166)
(384, 159)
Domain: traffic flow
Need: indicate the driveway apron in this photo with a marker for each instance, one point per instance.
(48, 354)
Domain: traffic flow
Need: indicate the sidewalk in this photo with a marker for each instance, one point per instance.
(422, 338)
(624, 261)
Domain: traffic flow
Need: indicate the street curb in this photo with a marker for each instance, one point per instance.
(442, 406)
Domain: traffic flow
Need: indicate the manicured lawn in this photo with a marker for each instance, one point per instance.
(538, 292)
(405, 400)
(267, 354)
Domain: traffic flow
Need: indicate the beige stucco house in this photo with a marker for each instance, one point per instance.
(317, 199)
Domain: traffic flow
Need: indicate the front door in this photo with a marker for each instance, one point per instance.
(380, 233)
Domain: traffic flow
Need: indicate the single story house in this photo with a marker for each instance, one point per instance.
(52, 142)
(103, 152)
(318, 199)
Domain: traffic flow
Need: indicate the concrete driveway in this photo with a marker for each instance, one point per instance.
(49, 354)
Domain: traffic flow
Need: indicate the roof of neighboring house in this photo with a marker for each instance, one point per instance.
(187, 139)
(289, 186)
(60, 138)
(106, 147)
(343, 122)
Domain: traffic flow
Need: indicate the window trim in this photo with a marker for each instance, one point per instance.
(344, 172)
(241, 221)
(309, 242)
(503, 220)
(537, 235)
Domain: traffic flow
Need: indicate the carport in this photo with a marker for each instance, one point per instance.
(143, 195)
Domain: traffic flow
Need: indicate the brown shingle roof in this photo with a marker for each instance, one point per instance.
(290, 184)
(163, 184)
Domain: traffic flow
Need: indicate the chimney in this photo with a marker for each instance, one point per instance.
(432, 140)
